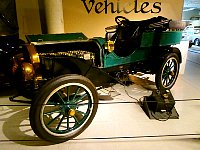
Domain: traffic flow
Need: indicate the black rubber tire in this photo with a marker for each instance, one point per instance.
(37, 114)
(175, 65)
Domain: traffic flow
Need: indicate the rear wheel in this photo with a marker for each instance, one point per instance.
(64, 108)
(168, 72)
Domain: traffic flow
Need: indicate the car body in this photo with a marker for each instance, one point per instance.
(62, 73)
(192, 33)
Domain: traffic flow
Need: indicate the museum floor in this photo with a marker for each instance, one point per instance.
(119, 126)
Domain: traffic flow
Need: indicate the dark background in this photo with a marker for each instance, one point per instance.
(8, 17)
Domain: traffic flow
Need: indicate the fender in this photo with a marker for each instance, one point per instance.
(178, 52)
(168, 49)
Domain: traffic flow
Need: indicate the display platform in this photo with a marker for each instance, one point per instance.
(160, 106)
(161, 116)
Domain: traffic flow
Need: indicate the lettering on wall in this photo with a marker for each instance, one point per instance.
(116, 6)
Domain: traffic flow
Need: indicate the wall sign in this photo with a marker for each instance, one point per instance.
(119, 6)
(92, 16)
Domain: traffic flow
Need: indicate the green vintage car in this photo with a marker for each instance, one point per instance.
(62, 73)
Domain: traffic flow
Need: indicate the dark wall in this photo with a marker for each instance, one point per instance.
(8, 17)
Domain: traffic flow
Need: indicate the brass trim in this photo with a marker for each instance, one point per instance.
(35, 61)
(28, 71)
(34, 56)
(110, 46)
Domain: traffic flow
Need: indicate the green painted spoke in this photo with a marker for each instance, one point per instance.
(60, 122)
(81, 98)
(170, 63)
(78, 89)
(165, 74)
(173, 66)
(51, 112)
(169, 80)
(165, 81)
(54, 119)
(82, 104)
(76, 120)
(68, 92)
(50, 103)
(80, 101)
(67, 122)
(60, 97)
(83, 113)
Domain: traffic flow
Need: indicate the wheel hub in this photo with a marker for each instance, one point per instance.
(172, 73)
(68, 110)
(72, 112)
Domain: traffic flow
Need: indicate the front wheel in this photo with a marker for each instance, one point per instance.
(64, 108)
(168, 72)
